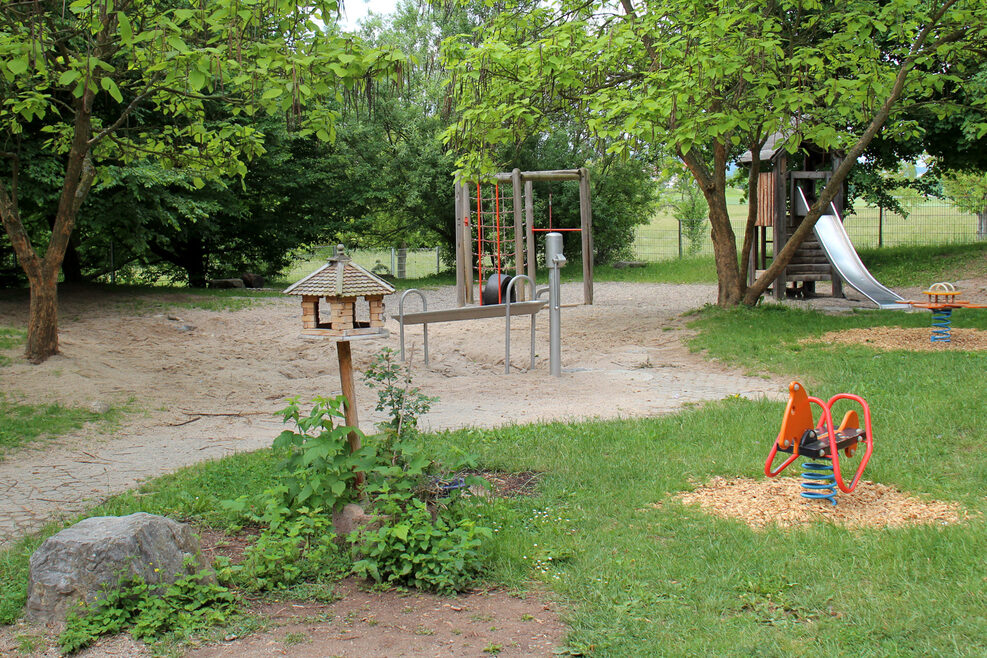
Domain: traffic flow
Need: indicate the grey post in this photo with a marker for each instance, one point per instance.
(555, 260)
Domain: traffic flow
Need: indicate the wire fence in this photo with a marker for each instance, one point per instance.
(930, 221)
(400, 263)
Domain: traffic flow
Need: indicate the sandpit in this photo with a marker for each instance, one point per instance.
(762, 502)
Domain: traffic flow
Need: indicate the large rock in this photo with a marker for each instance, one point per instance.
(78, 561)
(253, 280)
(225, 283)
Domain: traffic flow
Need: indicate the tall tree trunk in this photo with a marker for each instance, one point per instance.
(42, 273)
(42, 325)
(714, 185)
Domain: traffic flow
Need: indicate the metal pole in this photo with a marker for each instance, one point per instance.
(554, 260)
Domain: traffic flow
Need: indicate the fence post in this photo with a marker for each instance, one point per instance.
(392, 261)
(679, 222)
(402, 262)
(880, 226)
(438, 260)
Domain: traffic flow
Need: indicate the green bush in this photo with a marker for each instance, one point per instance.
(190, 604)
(412, 549)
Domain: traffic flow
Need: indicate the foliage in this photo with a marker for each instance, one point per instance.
(319, 468)
(188, 605)
(689, 207)
(708, 80)
(175, 83)
(293, 546)
(403, 403)
(412, 549)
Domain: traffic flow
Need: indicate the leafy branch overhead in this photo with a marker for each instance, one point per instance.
(115, 59)
(175, 83)
(709, 79)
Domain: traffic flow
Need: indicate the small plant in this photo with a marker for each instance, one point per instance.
(493, 649)
(290, 551)
(413, 550)
(188, 605)
(319, 468)
(403, 403)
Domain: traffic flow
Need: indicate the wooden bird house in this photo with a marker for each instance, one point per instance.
(341, 282)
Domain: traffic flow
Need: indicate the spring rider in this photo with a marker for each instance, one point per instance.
(801, 436)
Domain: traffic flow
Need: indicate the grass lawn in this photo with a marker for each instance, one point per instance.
(640, 574)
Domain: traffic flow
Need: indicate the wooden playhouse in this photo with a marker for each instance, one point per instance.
(780, 211)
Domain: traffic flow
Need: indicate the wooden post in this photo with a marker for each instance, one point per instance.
(781, 222)
(467, 220)
(529, 221)
(460, 274)
(518, 232)
(346, 381)
(586, 224)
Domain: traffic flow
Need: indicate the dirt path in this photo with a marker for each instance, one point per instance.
(206, 383)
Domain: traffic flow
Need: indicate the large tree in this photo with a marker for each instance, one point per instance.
(132, 80)
(708, 79)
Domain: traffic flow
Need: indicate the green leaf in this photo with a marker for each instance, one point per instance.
(19, 65)
(68, 77)
(196, 79)
(126, 31)
(111, 87)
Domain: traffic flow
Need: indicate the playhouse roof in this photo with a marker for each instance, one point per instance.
(340, 277)
(772, 145)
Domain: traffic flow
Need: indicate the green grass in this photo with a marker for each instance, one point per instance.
(21, 424)
(698, 269)
(924, 265)
(10, 339)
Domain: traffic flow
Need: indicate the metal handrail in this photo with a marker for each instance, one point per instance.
(421, 295)
(507, 329)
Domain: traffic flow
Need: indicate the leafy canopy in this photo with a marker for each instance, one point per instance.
(174, 63)
(689, 74)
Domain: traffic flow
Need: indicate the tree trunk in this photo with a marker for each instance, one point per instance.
(42, 324)
(731, 288)
(982, 224)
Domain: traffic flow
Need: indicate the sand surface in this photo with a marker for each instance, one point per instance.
(201, 384)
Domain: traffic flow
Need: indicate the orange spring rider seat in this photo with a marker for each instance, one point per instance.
(801, 436)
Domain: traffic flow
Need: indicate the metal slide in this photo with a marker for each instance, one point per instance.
(844, 259)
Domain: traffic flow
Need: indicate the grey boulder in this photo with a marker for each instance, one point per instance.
(82, 560)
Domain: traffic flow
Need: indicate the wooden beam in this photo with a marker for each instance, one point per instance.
(460, 273)
(472, 312)
(529, 221)
(518, 231)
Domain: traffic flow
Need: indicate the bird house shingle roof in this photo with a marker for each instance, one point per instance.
(340, 277)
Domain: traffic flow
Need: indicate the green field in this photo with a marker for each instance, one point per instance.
(930, 222)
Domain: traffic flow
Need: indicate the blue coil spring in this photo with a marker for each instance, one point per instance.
(818, 482)
(942, 321)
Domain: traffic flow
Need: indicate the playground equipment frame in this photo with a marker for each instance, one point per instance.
(524, 251)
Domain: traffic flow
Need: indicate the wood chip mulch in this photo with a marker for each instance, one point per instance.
(763, 502)
(914, 339)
